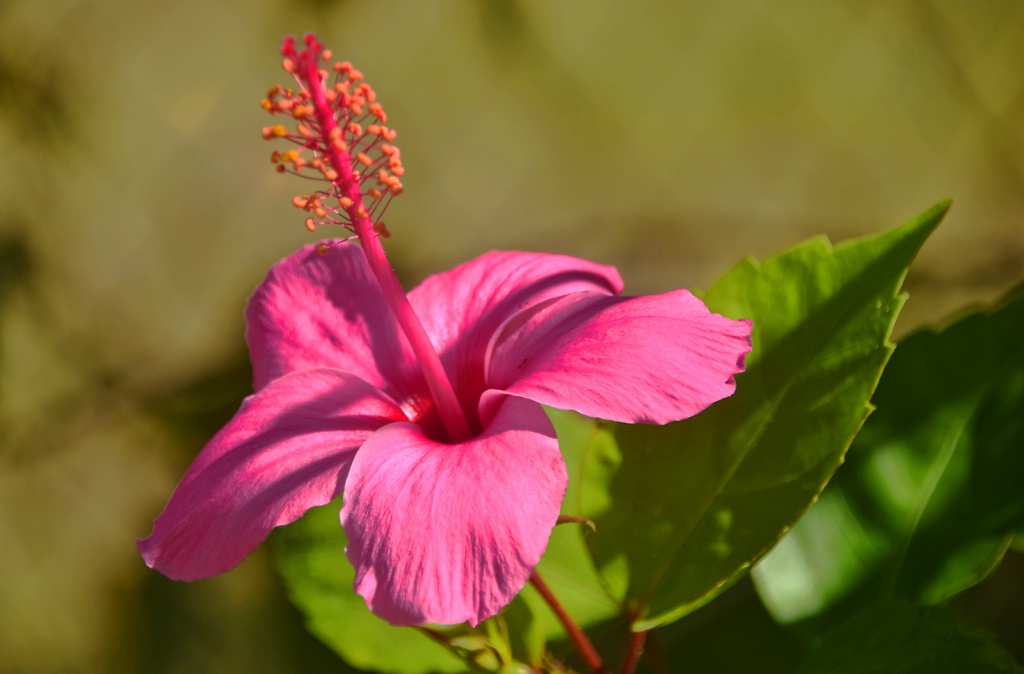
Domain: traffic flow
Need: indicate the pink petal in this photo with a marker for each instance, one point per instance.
(287, 449)
(463, 308)
(327, 310)
(450, 533)
(649, 359)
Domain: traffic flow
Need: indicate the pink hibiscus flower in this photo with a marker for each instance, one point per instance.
(425, 410)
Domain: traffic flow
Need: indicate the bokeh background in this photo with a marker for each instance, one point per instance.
(138, 209)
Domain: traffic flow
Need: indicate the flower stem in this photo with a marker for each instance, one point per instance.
(441, 390)
(634, 649)
(442, 639)
(583, 644)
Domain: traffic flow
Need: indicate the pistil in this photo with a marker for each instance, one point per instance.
(322, 133)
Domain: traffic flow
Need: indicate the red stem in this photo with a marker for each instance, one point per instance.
(586, 649)
(634, 649)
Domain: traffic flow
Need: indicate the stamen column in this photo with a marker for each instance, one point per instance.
(306, 67)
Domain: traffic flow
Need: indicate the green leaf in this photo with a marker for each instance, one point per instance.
(902, 638)
(527, 642)
(567, 567)
(930, 496)
(311, 558)
(683, 509)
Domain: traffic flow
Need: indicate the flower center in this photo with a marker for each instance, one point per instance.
(340, 138)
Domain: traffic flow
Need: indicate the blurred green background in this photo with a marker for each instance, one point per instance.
(138, 209)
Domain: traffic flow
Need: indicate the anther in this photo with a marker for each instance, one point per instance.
(338, 143)
(277, 131)
(367, 91)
